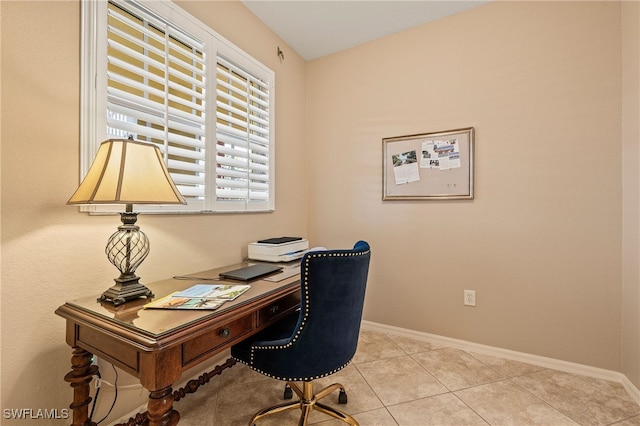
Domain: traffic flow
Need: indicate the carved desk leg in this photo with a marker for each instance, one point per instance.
(159, 370)
(80, 378)
(191, 387)
(160, 409)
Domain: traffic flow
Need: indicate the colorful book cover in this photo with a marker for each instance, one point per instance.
(173, 302)
(214, 291)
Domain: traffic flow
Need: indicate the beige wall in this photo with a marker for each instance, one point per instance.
(541, 241)
(541, 244)
(51, 252)
(631, 191)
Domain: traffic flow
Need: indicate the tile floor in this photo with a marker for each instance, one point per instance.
(399, 381)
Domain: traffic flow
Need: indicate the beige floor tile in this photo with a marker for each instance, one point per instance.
(412, 346)
(586, 400)
(237, 403)
(239, 373)
(243, 392)
(507, 367)
(373, 345)
(633, 421)
(360, 395)
(399, 379)
(456, 369)
(439, 410)
(379, 417)
(197, 409)
(505, 403)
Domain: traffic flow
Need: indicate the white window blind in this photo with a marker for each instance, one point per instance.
(205, 103)
(242, 135)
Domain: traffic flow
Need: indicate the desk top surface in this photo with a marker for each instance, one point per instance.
(154, 323)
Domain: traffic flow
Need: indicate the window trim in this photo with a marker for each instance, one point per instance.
(93, 92)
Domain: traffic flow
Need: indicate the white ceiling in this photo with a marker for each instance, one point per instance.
(318, 28)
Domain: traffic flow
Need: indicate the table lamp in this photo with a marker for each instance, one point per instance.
(127, 172)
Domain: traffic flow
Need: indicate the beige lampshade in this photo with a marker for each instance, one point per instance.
(127, 172)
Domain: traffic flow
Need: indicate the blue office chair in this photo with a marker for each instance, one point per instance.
(321, 338)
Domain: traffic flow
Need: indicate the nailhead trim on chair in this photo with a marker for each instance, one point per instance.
(305, 286)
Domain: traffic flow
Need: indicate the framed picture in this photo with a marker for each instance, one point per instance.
(429, 166)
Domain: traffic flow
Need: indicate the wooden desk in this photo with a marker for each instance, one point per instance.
(156, 345)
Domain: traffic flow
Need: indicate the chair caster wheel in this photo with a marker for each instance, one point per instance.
(342, 398)
(288, 393)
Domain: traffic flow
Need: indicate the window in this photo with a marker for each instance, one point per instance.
(153, 72)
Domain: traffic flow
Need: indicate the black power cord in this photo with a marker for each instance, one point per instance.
(115, 397)
(95, 398)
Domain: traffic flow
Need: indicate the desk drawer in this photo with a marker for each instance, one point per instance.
(115, 351)
(278, 308)
(214, 339)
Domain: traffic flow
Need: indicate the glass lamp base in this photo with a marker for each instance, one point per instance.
(126, 249)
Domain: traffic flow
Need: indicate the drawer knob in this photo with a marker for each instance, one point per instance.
(225, 332)
(274, 309)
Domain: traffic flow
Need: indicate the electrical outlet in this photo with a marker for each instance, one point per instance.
(470, 298)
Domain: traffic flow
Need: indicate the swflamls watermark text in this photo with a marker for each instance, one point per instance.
(35, 413)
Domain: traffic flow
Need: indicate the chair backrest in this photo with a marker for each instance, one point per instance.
(333, 284)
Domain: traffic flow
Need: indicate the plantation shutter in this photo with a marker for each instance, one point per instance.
(156, 91)
(242, 130)
(155, 73)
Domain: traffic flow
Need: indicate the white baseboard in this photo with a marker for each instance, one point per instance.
(555, 364)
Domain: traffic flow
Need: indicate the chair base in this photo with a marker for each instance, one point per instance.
(307, 403)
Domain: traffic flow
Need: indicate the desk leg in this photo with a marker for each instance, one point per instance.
(80, 378)
(160, 409)
(192, 387)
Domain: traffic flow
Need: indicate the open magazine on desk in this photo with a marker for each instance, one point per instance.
(200, 296)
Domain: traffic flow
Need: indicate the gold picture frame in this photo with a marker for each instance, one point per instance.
(429, 166)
